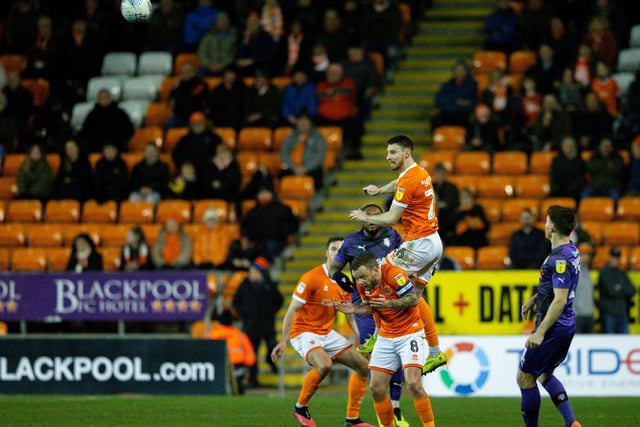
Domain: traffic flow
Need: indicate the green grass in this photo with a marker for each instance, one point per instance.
(266, 411)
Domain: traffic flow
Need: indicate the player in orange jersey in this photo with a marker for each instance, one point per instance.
(419, 253)
(387, 290)
(307, 324)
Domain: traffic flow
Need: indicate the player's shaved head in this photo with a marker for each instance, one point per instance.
(403, 141)
(365, 259)
(371, 206)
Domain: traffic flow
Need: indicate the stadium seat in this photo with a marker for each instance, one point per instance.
(628, 59)
(532, 186)
(595, 230)
(29, 210)
(8, 187)
(246, 206)
(5, 259)
(58, 258)
(601, 257)
(111, 258)
(150, 233)
(378, 61)
(94, 158)
(465, 256)
(249, 81)
(14, 62)
(96, 84)
(40, 90)
(27, 260)
(232, 229)
(94, 230)
(634, 37)
(279, 135)
(273, 162)
(12, 235)
(596, 209)
(485, 61)
(521, 60)
(494, 186)
(114, 234)
(299, 207)
(449, 138)
(158, 63)
(509, 163)
(230, 287)
(119, 64)
(50, 235)
(624, 81)
(166, 86)
(500, 233)
(473, 162)
(514, 80)
(296, 187)
(429, 159)
(94, 212)
(492, 208)
(166, 158)
(469, 182)
(79, 113)
(132, 159)
(628, 208)
(540, 161)
(550, 201)
(281, 81)
(54, 163)
(136, 212)
(255, 138)
(333, 136)
(492, 257)
(248, 162)
(213, 82)
(225, 213)
(511, 208)
(136, 110)
(12, 163)
(619, 233)
(483, 81)
(228, 136)
(634, 258)
(144, 135)
(166, 209)
(184, 57)
(157, 114)
(142, 87)
(173, 136)
(198, 329)
(67, 210)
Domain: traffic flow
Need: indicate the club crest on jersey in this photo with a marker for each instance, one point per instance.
(400, 279)
(561, 266)
(399, 193)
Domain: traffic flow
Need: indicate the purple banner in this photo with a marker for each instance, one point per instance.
(103, 296)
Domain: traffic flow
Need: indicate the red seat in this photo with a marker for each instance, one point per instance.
(39, 89)
(157, 114)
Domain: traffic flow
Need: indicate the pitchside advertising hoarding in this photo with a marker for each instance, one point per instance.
(112, 366)
(487, 365)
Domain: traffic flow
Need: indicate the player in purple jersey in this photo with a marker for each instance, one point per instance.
(379, 241)
(549, 343)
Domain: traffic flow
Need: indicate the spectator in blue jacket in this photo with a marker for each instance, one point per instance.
(197, 23)
(298, 97)
(501, 28)
(456, 100)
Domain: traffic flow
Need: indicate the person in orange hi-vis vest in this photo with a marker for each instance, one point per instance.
(418, 255)
(239, 346)
(388, 292)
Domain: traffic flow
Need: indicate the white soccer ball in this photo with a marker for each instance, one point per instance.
(136, 10)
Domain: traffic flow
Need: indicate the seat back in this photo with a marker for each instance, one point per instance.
(141, 87)
(183, 58)
(111, 258)
(297, 187)
(550, 201)
(596, 209)
(473, 162)
(155, 63)
(500, 233)
(94, 212)
(79, 113)
(621, 233)
(157, 114)
(144, 135)
(171, 208)
(29, 210)
(255, 139)
(12, 235)
(449, 138)
(114, 234)
(136, 110)
(512, 208)
(40, 90)
(136, 212)
(14, 62)
(465, 256)
(221, 207)
(119, 64)
(8, 187)
(492, 208)
(532, 186)
(228, 136)
(94, 230)
(67, 210)
(629, 208)
(29, 260)
(509, 163)
(49, 235)
(57, 258)
(628, 59)
(279, 135)
(485, 61)
(540, 161)
(492, 257)
(521, 60)
(173, 136)
(495, 186)
(12, 162)
(96, 84)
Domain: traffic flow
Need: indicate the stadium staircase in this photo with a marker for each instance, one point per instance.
(449, 31)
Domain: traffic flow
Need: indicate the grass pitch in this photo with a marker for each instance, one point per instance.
(268, 411)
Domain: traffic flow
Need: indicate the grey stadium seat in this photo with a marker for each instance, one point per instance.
(628, 60)
(136, 109)
(119, 64)
(79, 114)
(155, 63)
(113, 84)
(623, 80)
(142, 87)
(634, 39)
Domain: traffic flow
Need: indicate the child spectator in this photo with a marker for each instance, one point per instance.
(135, 252)
(84, 255)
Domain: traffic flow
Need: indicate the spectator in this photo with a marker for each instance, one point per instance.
(592, 123)
(34, 176)
(568, 168)
(546, 71)
(551, 125)
(106, 122)
(84, 255)
(261, 179)
(633, 185)
(606, 88)
(164, 30)
(111, 176)
(186, 186)
(198, 145)
(242, 252)
(74, 176)
(19, 105)
(482, 131)
(583, 304)
(616, 18)
(533, 23)
(499, 96)
(562, 42)
(456, 99)
(256, 49)
(299, 43)
(303, 152)
(221, 178)
(262, 102)
(173, 248)
(257, 302)
(226, 101)
(270, 224)
(530, 105)
(380, 31)
(217, 49)
(298, 97)
(615, 292)
(501, 28)
(135, 252)
(196, 24)
(43, 51)
(150, 176)
(471, 224)
(570, 93)
(320, 63)
(528, 246)
(8, 128)
(21, 26)
(601, 40)
(271, 19)
(447, 202)
(207, 252)
(585, 65)
(189, 95)
(333, 36)
(606, 170)
(361, 69)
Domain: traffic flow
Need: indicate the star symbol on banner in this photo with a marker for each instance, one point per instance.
(196, 306)
(156, 306)
(12, 306)
(183, 306)
(170, 306)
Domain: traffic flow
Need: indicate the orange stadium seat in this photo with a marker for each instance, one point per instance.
(550, 201)
(509, 163)
(50, 235)
(144, 135)
(165, 87)
(92, 211)
(183, 58)
(172, 137)
(492, 208)
(136, 212)
(67, 210)
(483, 81)
(469, 182)
(540, 161)
(586, 155)
(595, 230)
(429, 159)
(511, 208)
(5, 259)
(39, 89)
(12, 162)
(57, 258)
(281, 81)
(279, 135)
(248, 161)
(29, 210)
(54, 163)
(514, 80)
(533, 186)
(94, 158)
(222, 208)
(157, 114)
(485, 61)
(634, 258)
(228, 136)
(495, 186)
(150, 232)
(596, 209)
(465, 256)
(212, 82)
(378, 61)
(14, 62)
(246, 206)
(231, 286)
(249, 80)
(521, 60)
(629, 208)
(299, 207)
(473, 162)
(111, 258)
(333, 136)
(255, 139)
(602, 257)
(132, 159)
(621, 233)
(232, 229)
(198, 329)
(166, 158)
(8, 187)
(297, 187)
(12, 235)
(173, 208)
(71, 230)
(114, 234)
(449, 138)
(273, 162)
(492, 257)
(500, 233)
(29, 260)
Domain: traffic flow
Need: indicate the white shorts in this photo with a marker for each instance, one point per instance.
(417, 255)
(333, 343)
(391, 353)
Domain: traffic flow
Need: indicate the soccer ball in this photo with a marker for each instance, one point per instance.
(136, 10)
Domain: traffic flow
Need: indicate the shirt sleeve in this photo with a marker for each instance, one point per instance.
(302, 292)
(561, 276)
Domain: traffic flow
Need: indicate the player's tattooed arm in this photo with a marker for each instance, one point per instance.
(409, 300)
(347, 308)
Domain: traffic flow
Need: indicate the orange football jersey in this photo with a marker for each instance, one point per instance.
(414, 193)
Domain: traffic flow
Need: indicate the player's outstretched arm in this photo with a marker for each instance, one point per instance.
(278, 350)
(374, 190)
(392, 216)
